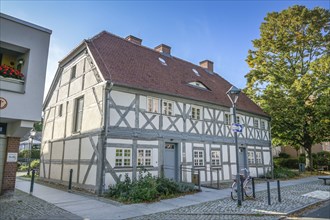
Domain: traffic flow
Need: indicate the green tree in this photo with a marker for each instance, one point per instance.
(290, 75)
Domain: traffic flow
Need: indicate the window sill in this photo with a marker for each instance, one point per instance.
(12, 85)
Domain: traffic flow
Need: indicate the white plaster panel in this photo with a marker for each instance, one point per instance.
(253, 171)
(63, 92)
(75, 86)
(119, 141)
(215, 175)
(91, 178)
(108, 180)
(199, 127)
(80, 67)
(59, 127)
(189, 152)
(155, 157)
(142, 120)
(130, 117)
(233, 171)
(42, 171)
(48, 129)
(176, 109)
(52, 100)
(232, 153)
(86, 148)
(260, 171)
(266, 155)
(224, 153)
(51, 113)
(90, 80)
(258, 148)
(90, 123)
(202, 177)
(57, 150)
(114, 116)
(110, 155)
(226, 173)
(251, 147)
(207, 153)
(65, 76)
(56, 171)
(122, 98)
(179, 124)
(215, 145)
(198, 145)
(148, 142)
(46, 151)
(71, 149)
(206, 113)
(66, 172)
(143, 102)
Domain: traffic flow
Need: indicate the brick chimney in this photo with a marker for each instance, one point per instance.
(133, 39)
(207, 64)
(162, 48)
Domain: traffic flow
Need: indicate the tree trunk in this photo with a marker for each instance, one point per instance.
(309, 158)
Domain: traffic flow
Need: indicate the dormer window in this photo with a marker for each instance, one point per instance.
(198, 85)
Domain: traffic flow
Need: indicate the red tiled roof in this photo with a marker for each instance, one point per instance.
(136, 66)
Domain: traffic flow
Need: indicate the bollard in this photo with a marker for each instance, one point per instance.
(218, 180)
(268, 192)
(279, 191)
(253, 189)
(199, 180)
(70, 180)
(180, 179)
(32, 181)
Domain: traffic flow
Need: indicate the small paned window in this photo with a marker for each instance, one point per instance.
(79, 105)
(238, 119)
(227, 119)
(123, 157)
(196, 112)
(167, 107)
(215, 158)
(258, 158)
(198, 157)
(73, 72)
(153, 105)
(144, 157)
(251, 158)
(256, 123)
(262, 125)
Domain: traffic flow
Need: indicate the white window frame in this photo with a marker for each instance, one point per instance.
(123, 157)
(168, 107)
(78, 114)
(251, 158)
(256, 123)
(73, 72)
(144, 157)
(196, 112)
(152, 104)
(198, 158)
(238, 119)
(227, 119)
(258, 157)
(263, 125)
(215, 158)
(60, 110)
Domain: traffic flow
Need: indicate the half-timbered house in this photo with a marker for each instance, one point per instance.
(115, 106)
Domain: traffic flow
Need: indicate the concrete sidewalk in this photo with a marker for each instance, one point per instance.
(89, 207)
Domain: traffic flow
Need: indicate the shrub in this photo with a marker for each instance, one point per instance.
(35, 154)
(146, 189)
(291, 163)
(283, 173)
(35, 164)
(283, 155)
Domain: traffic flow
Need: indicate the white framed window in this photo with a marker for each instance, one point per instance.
(73, 72)
(144, 157)
(198, 157)
(215, 158)
(251, 158)
(227, 119)
(238, 119)
(258, 158)
(153, 104)
(196, 112)
(60, 110)
(256, 123)
(78, 114)
(263, 125)
(123, 157)
(168, 107)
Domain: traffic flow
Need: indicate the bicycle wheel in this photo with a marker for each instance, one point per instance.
(248, 188)
(234, 191)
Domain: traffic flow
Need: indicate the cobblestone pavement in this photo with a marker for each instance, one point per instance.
(292, 199)
(25, 207)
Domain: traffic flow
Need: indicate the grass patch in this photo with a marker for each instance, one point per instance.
(147, 189)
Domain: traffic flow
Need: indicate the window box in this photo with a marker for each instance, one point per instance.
(11, 84)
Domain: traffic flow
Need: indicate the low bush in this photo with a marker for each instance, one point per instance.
(147, 189)
(291, 163)
(283, 173)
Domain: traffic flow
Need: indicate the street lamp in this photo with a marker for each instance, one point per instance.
(233, 94)
(32, 134)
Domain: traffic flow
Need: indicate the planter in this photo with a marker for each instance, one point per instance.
(10, 84)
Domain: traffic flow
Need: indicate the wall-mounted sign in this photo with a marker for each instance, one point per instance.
(12, 157)
(3, 128)
(3, 103)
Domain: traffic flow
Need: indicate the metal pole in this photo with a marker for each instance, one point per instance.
(70, 180)
(238, 179)
(218, 182)
(268, 192)
(199, 180)
(29, 159)
(32, 182)
(181, 172)
(253, 188)
(279, 191)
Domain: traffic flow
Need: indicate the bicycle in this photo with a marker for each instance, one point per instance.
(247, 185)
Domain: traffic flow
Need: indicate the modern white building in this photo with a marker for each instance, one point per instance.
(23, 56)
(116, 106)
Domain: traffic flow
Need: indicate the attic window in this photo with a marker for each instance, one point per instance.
(162, 61)
(198, 84)
(196, 72)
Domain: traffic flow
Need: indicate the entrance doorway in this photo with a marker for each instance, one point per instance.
(171, 161)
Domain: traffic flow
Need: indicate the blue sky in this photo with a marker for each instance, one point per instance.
(220, 31)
